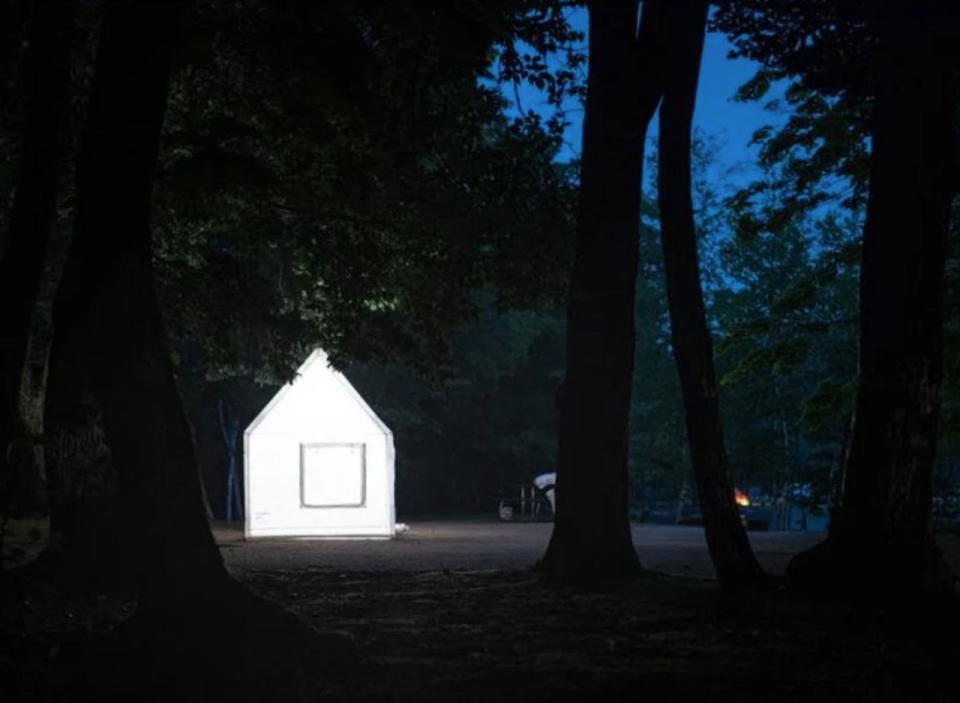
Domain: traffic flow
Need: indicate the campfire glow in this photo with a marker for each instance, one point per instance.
(741, 498)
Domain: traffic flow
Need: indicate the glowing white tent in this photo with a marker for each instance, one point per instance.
(318, 462)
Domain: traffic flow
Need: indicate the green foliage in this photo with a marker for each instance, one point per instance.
(824, 50)
(790, 324)
(350, 184)
(657, 457)
(489, 421)
(819, 409)
(545, 52)
(781, 304)
(356, 186)
(342, 175)
(827, 45)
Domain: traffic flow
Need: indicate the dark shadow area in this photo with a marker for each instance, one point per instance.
(491, 635)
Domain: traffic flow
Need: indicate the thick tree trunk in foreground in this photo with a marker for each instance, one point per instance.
(591, 538)
(882, 537)
(727, 540)
(109, 351)
(23, 257)
(195, 627)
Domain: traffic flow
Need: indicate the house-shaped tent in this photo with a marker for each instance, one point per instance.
(318, 462)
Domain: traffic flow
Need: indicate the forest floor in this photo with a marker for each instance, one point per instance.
(477, 543)
(443, 620)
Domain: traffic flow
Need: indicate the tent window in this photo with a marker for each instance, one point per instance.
(333, 475)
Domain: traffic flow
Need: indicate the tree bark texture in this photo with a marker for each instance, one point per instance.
(883, 531)
(22, 261)
(109, 364)
(591, 540)
(13, 32)
(729, 547)
(197, 632)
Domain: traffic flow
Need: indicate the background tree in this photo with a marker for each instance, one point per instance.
(887, 494)
(357, 173)
(107, 287)
(788, 354)
(356, 187)
(729, 547)
(895, 482)
(110, 367)
(24, 247)
(591, 537)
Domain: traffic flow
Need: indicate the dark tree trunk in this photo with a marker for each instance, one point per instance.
(195, 626)
(46, 92)
(727, 540)
(109, 353)
(13, 32)
(591, 539)
(882, 537)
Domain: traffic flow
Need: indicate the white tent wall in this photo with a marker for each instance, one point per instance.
(319, 419)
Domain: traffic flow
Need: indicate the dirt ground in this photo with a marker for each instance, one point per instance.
(478, 544)
(450, 611)
(504, 635)
(445, 545)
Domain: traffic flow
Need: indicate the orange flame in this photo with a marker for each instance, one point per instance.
(741, 498)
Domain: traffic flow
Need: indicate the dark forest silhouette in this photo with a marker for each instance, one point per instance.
(438, 207)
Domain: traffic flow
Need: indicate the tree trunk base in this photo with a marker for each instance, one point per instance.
(574, 562)
(878, 572)
(22, 488)
(748, 579)
(230, 646)
(86, 554)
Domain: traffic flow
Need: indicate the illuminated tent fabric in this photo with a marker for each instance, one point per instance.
(318, 462)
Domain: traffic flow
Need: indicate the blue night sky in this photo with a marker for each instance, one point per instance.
(717, 114)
